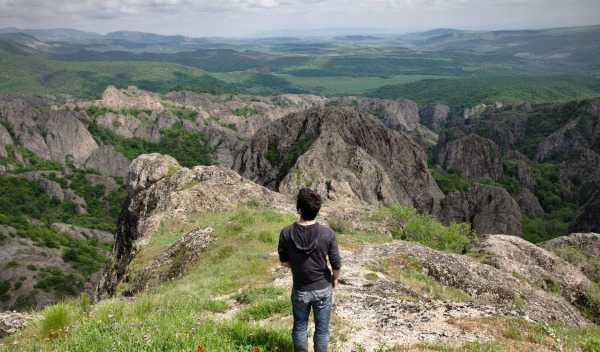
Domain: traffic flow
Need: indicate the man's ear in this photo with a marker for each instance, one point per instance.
(299, 211)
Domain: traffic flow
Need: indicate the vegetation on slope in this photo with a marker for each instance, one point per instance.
(463, 93)
(227, 303)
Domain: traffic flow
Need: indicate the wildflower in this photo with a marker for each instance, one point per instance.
(145, 337)
(193, 329)
(198, 323)
(119, 344)
(132, 324)
(256, 349)
(199, 348)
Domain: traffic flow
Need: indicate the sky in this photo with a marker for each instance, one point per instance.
(241, 18)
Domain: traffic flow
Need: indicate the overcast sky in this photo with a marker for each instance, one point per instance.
(248, 17)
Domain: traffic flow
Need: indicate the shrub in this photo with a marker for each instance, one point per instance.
(56, 319)
(404, 223)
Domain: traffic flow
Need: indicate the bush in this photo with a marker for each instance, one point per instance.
(404, 223)
(56, 319)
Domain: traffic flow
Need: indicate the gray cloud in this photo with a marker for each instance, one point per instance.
(240, 17)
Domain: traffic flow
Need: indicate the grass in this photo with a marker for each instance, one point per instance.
(227, 303)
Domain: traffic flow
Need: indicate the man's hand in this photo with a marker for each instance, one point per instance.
(334, 278)
(285, 264)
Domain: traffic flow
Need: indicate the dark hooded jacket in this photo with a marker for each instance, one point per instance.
(306, 248)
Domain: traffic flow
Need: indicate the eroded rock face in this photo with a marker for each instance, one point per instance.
(535, 265)
(67, 137)
(495, 285)
(580, 175)
(159, 189)
(473, 156)
(433, 116)
(108, 161)
(489, 209)
(11, 322)
(589, 218)
(131, 98)
(5, 139)
(345, 155)
(173, 263)
(528, 202)
(582, 250)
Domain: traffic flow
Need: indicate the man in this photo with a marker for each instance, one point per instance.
(304, 247)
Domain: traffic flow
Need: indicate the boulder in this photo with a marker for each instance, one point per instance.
(346, 155)
(489, 209)
(473, 156)
(108, 161)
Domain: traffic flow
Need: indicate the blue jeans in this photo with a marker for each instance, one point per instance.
(320, 301)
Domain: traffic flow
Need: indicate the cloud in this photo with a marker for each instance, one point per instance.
(235, 17)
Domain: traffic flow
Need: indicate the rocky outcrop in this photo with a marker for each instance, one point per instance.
(434, 116)
(473, 111)
(582, 250)
(160, 189)
(556, 143)
(528, 202)
(128, 126)
(172, 263)
(21, 118)
(11, 322)
(83, 233)
(5, 139)
(108, 161)
(131, 98)
(588, 220)
(580, 175)
(489, 209)
(345, 155)
(535, 265)
(492, 284)
(51, 188)
(67, 137)
(473, 156)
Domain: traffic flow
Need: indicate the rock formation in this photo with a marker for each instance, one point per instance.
(67, 137)
(434, 116)
(345, 155)
(489, 209)
(473, 156)
(582, 250)
(589, 219)
(160, 189)
(497, 285)
(108, 161)
(172, 263)
(527, 201)
(5, 139)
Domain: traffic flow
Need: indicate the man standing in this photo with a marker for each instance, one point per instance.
(304, 247)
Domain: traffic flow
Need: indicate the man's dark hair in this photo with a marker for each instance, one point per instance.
(309, 202)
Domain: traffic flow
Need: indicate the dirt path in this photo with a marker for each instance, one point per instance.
(369, 309)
